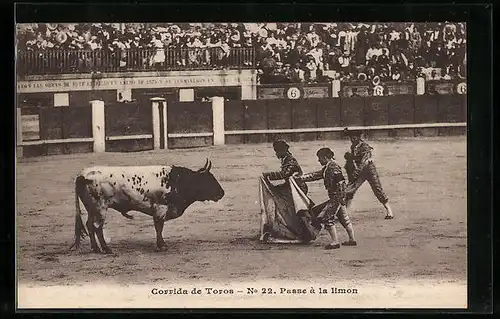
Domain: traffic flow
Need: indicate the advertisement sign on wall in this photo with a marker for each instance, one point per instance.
(30, 125)
(446, 87)
(364, 88)
(395, 88)
(270, 93)
(185, 80)
(316, 92)
(293, 92)
(348, 90)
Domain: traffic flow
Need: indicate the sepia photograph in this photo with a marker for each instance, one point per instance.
(241, 165)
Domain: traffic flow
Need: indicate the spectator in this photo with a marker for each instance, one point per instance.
(297, 74)
(397, 49)
(157, 44)
(311, 67)
(344, 62)
(396, 74)
(354, 92)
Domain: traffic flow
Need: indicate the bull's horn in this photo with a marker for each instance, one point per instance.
(206, 164)
(209, 166)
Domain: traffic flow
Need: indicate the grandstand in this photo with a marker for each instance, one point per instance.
(283, 52)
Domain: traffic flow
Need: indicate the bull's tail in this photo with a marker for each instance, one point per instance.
(81, 230)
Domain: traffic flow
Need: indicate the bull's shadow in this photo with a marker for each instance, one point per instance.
(178, 245)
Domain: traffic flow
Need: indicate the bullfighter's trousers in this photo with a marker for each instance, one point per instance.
(368, 173)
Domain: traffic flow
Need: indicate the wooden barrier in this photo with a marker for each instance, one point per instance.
(128, 119)
(255, 119)
(128, 127)
(426, 111)
(376, 113)
(133, 127)
(234, 119)
(304, 115)
(401, 111)
(397, 116)
(190, 124)
(329, 114)
(76, 122)
(353, 111)
(450, 110)
(279, 117)
(61, 130)
(51, 123)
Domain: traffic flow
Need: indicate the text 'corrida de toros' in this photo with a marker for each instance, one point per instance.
(253, 291)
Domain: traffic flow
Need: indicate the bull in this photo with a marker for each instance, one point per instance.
(162, 192)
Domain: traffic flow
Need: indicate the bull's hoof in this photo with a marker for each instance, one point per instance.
(74, 247)
(330, 246)
(126, 215)
(266, 237)
(107, 251)
(161, 248)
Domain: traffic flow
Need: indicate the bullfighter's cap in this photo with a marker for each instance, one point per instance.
(351, 132)
(326, 151)
(280, 145)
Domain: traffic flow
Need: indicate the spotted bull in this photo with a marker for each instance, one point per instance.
(162, 192)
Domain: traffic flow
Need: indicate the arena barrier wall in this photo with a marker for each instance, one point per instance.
(190, 124)
(58, 130)
(128, 127)
(161, 124)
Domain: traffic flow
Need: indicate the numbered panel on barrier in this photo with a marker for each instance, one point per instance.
(293, 93)
(461, 88)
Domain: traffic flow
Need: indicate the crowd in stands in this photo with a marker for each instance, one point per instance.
(391, 51)
(283, 52)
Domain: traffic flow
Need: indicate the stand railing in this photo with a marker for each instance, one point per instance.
(52, 61)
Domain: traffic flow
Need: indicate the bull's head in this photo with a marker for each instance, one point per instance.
(190, 186)
(210, 189)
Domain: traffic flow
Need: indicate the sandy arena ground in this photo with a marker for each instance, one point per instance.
(416, 259)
